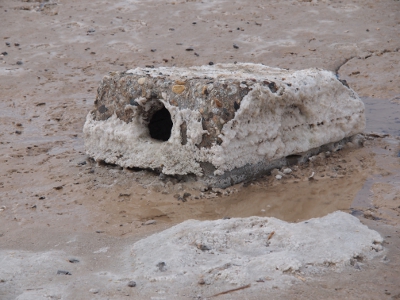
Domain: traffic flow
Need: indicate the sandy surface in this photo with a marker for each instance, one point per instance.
(56, 204)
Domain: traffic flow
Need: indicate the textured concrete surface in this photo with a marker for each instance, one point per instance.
(224, 123)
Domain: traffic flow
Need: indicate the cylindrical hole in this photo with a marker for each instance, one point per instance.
(160, 125)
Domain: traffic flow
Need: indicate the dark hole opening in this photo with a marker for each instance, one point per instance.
(160, 125)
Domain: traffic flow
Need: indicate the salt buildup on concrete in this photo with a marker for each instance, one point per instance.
(223, 123)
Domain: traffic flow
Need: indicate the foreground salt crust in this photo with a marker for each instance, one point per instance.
(229, 121)
(242, 251)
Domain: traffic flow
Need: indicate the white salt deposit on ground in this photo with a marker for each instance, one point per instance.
(245, 250)
(196, 257)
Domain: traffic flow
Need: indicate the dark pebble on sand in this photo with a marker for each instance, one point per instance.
(235, 46)
(204, 247)
(161, 266)
(73, 260)
(19, 62)
(62, 272)
(131, 283)
(210, 63)
(189, 49)
(153, 50)
(4, 53)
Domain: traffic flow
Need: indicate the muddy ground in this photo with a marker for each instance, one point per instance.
(57, 205)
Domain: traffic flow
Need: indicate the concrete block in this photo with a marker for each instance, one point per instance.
(224, 123)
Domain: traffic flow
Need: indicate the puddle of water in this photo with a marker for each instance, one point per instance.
(293, 202)
(383, 116)
(364, 197)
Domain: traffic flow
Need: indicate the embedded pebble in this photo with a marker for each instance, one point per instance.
(149, 222)
(161, 266)
(132, 283)
(94, 291)
(62, 272)
(279, 177)
(276, 172)
(287, 171)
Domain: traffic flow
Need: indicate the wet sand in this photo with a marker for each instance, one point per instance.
(57, 204)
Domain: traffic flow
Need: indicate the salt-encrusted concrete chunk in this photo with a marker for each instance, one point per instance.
(223, 123)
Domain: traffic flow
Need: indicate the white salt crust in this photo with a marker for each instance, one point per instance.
(313, 110)
(241, 251)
